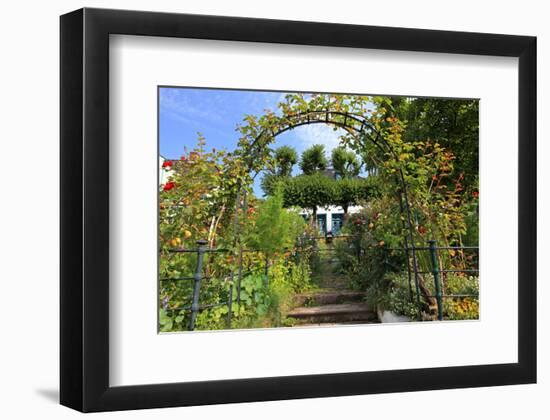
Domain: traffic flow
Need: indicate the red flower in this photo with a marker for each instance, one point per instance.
(475, 194)
(182, 157)
(168, 186)
(167, 164)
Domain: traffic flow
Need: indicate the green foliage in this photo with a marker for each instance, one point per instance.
(453, 123)
(285, 158)
(198, 203)
(345, 163)
(352, 191)
(271, 182)
(313, 159)
(276, 228)
(471, 222)
(165, 321)
(286, 277)
(462, 307)
(397, 298)
(192, 206)
(309, 191)
(317, 190)
(362, 255)
(436, 194)
(254, 305)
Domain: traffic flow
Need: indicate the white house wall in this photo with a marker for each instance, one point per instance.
(163, 173)
(329, 211)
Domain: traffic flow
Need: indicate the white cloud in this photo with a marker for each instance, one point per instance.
(319, 134)
(176, 103)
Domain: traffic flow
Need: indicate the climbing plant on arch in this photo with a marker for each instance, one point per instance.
(372, 131)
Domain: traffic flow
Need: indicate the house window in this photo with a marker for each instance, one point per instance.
(337, 222)
(322, 223)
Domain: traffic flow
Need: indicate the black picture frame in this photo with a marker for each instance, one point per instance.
(84, 297)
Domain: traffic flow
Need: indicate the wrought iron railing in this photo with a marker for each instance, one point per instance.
(413, 269)
(436, 271)
(237, 273)
(198, 277)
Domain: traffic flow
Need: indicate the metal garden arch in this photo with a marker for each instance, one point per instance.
(359, 127)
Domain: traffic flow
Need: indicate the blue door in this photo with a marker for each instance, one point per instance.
(337, 222)
(322, 224)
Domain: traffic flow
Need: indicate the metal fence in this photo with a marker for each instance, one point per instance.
(237, 272)
(412, 266)
(436, 271)
(198, 277)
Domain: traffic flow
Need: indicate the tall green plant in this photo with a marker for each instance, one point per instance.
(276, 228)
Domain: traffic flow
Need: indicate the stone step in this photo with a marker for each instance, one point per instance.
(324, 297)
(334, 324)
(334, 313)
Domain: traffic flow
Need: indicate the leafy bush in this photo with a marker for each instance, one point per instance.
(397, 298)
(309, 191)
(353, 191)
(454, 308)
(276, 229)
(254, 304)
(363, 256)
(461, 307)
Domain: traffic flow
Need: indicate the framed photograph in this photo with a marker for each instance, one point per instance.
(257, 210)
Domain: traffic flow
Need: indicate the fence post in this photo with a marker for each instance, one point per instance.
(359, 250)
(266, 270)
(300, 255)
(197, 285)
(386, 263)
(240, 275)
(435, 272)
(230, 302)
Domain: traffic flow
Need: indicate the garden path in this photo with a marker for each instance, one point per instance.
(333, 302)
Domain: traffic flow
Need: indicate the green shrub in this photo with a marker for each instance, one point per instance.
(397, 297)
(277, 228)
(461, 307)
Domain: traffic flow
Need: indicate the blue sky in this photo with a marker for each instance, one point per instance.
(183, 112)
